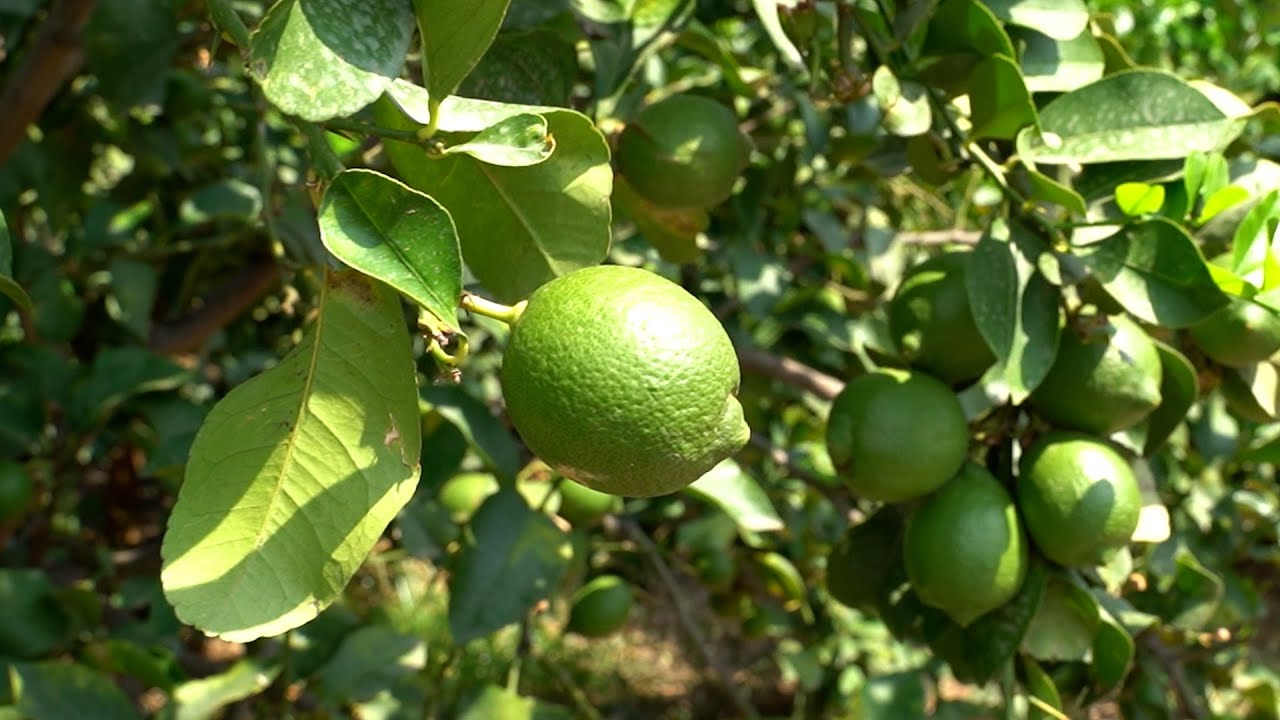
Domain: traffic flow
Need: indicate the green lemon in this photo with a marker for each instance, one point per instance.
(932, 323)
(1102, 383)
(16, 490)
(683, 151)
(600, 607)
(463, 493)
(964, 549)
(716, 568)
(584, 507)
(1240, 334)
(1078, 496)
(895, 435)
(623, 381)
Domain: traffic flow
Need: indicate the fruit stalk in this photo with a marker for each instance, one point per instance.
(488, 308)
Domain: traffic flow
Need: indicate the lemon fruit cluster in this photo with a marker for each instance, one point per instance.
(963, 537)
(621, 380)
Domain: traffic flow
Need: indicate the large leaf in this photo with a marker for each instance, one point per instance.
(55, 690)
(1061, 19)
(739, 495)
(296, 473)
(999, 98)
(538, 67)
(396, 234)
(455, 36)
(1016, 309)
(1133, 115)
(517, 558)
(321, 59)
(1155, 271)
(519, 226)
(1050, 65)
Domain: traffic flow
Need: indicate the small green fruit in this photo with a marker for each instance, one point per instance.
(932, 324)
(465, 492)
(1240, 334)
(600, 607)
(584, 507)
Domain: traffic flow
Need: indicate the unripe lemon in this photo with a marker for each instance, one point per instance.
(1240, 334)
(584, 507)
(16, 491)
(1078, 497)
(465, 492)
(895, 435)
(1102, 383)
(683, 151)
(932, 324)
(600, 607)
(623, 381)
(964, 549)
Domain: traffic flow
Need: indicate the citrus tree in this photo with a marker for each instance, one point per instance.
(439, 359)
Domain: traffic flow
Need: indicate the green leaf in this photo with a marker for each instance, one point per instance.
(398, 235)
(56, 690)
(1220, 200)
(726, 485)
(1179, 390)
(121, 373)
(498, 703)
(905, 104)
(322, 59)
(1060, 19)
(8, 286)
(1063, 624)
(484, 432)
(33, 622)
(1155, 271)
(229, 199)
(967, 25)
(1100, 180)
(1051, 65)
(1136, 198)
(1041, 687)
(519, 227)
(1113, 651)
(673, 232)
(999, 99)
(893, 696)
(767, 11)
(1251, 244)
(1042, 188)
(295, 473)
(518, 141)
(133, 294)
(455, 35)
(1134, 115)
(206, 698)
(369, 659)
(517, 558)
(534, 68)
(129, 48)
(1016, 309)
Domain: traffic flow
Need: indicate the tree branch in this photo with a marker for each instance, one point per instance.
(221, 306)
(939, 237)
(54, 57)
(788, 371)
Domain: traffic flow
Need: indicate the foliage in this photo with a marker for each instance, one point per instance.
(250, 261)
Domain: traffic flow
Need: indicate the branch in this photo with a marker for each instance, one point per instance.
(690, 626)
(54, 57)
(788, 371)
(1188, 705)
(939, 237)
(224, 304)
(780, 457)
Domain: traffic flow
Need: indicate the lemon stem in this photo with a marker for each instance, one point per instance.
(488, 308)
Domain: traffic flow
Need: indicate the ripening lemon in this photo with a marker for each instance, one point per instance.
(964, 548)
(1078, 497)
(620, 379)
(600, 607)
(932, 324)
(1240, 334)
(683, 151)
(895, 435)
(1102, 383)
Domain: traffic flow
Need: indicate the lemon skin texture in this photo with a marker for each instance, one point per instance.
(623, 381)
(1105, 384)
(683, 152)
(600, 607)
(1239, 334)
(964, 549)
(895, 435)
(1078, 496)
(932, 323)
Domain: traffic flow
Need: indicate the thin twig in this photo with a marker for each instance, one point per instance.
(780, 457)
(791, 372)
(581, 702)
(1188, 706)
(690, 626)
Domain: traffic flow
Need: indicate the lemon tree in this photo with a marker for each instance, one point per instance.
(861, 360)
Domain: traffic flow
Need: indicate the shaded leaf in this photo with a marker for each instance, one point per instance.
(673, 231)
(1113, 651)
(1063, 625)
(516, 559)
(498, 703)
(369, 659)
(322, 59)
(295, 474)
(1041, 687)
(8, 286)
(133, 294)
(999, 99)
(398, 235)
(534, 68)
(33, 623)
(967, 25)
(1179, 390)
(56, 690)
(1155, 271)
(484, 432)
(739, 495)
(455, 35)
(1051, 65)
(121, 373)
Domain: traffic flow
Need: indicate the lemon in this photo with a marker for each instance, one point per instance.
(1240, 334)
(620, 379)
(600, 607)
(862, 564)
(1102, 383)
(1078, 496)
(683, 151)
(716, 568)
(932, 324)
(584, 507)
(964, 549)
(895, 435)
(463, 493)
(16, 490)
